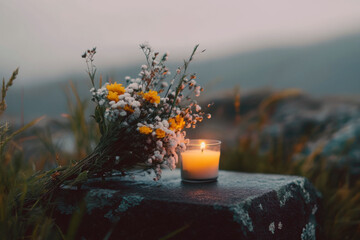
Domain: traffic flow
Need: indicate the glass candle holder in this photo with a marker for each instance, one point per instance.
(200, 161)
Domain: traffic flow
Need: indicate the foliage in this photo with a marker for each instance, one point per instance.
(84, 129)
(18, 221)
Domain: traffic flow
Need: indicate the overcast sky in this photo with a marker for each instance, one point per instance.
(46, 37)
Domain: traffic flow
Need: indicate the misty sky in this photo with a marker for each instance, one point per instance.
(46, 37)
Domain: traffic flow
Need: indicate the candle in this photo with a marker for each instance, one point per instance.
(200, 162)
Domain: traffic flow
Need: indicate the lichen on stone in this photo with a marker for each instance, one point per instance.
(217, 206)
(284, 197)
(304, 192)
(126, 203)
(308, 232)
(98, 198)
(284, 194)
(129, 202)
(272, 227)
(241, 216)
(314, 210)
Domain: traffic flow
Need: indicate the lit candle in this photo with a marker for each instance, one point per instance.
(200, 162)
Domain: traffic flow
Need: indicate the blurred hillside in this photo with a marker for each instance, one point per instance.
(326, 68)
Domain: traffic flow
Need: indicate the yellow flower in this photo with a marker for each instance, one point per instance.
(115, 87)
(176, 123)
(152, 96)
(113, 96)
(160, 133)
(128, 108)
(145, 130)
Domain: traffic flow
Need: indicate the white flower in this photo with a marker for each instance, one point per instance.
(101, 102)
(159, 144)
(192, 82)
(121, 104)
(135, 104)
(136, 113)
(171, 162)
(158, 155)
(165, 123)
(123, 113)
(134, 86)
(124, 124)
(197, 91)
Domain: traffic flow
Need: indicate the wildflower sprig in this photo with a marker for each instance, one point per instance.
(91, 69)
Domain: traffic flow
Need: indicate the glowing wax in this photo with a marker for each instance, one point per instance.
(200, 164)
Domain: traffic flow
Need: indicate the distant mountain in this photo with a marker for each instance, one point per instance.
(326, 68)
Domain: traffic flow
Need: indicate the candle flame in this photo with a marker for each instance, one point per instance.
(202, 146)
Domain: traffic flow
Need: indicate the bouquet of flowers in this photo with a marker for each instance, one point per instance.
(141, 121)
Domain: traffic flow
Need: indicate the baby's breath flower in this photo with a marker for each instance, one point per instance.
(164, 84)
(197, 108)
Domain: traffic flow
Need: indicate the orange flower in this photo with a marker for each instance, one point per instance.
(176, 123)
(115, 87)
(115, 90)
(113, 96)
(145, 130)
(160, 133)
(152, 96)
(128, 108)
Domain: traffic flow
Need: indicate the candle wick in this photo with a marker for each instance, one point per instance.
(202, 150)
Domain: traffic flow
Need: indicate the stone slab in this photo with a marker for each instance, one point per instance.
(237, 206)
